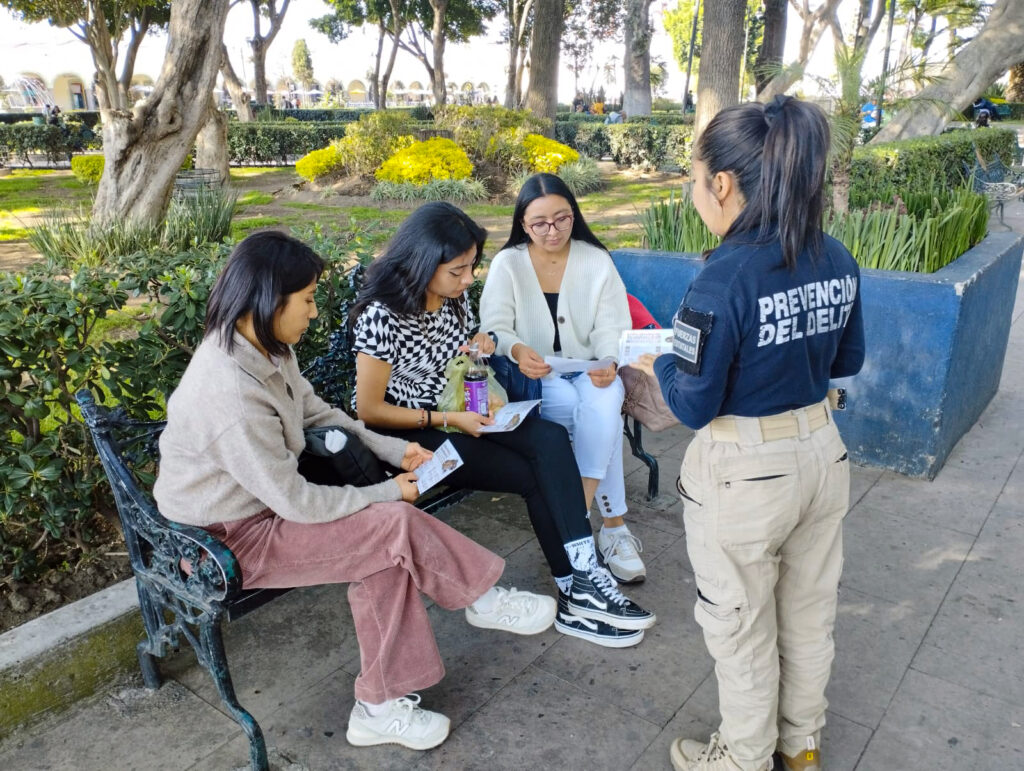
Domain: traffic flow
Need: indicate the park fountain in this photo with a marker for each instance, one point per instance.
(27, 94)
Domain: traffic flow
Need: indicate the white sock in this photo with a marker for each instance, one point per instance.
(564, 583)
(620, 530)
(582, 554)
(485, 602)
(373, 710)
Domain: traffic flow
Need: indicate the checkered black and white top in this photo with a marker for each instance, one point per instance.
(416, 346)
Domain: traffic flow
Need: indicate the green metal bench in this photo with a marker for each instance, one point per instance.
(188, 581)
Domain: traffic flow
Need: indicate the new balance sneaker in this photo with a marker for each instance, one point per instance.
(403, 722)
(515, 611)
(621, 555)
(690, 755)
(596, 596)
(596, 632)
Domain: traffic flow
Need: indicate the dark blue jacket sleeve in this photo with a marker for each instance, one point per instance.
(697, 399)
(850, 354)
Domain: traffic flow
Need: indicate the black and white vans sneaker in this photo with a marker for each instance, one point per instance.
(596, 632)
(596, 596)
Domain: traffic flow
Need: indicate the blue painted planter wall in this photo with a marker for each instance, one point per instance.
(935, 347)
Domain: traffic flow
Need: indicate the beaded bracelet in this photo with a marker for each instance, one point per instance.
(421, 418)
(430, 419)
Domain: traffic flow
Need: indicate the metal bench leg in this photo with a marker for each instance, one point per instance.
(216, 663)
(635, 436)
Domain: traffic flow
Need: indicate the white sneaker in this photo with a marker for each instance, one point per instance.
(517, 612)
(691, 755)
(403, 722)
(621, 555)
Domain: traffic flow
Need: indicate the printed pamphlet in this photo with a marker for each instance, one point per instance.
(635, 342)
(510, 416)
(561, 365)
(446, 459)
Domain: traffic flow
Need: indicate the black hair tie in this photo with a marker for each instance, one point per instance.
(773, 109)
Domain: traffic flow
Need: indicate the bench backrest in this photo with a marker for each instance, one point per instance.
(165, 555)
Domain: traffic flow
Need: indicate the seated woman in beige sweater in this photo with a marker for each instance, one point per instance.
(230, 463)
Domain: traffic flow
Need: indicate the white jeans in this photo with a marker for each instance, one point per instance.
(593, 417)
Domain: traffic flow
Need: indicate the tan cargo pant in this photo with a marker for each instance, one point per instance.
(764, 535)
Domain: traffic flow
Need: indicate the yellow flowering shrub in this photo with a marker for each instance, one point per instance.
(543, 154)
(87, 168)
(319, 163)
(421, 162)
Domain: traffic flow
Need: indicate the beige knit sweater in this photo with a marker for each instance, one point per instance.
(592, 305)
(234, 433)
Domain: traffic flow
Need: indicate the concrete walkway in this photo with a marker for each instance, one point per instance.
(929, 671)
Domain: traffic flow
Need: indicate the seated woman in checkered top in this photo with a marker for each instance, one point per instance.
(411, 317)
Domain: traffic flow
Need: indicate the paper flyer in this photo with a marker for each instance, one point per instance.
(446, 459)
(635, 342)
(560, 365)
(510, 416)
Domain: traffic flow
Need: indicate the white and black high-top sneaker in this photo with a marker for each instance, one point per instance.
(593, 631)
(595, 595)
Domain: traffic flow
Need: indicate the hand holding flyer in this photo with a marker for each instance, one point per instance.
(446, 459)
(635, 342)
(510, 416)
(561, 365)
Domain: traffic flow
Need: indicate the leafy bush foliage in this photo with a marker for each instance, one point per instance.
(52, 497)
(319, 163)
(260, 143)
(488, 132)
(375, 138)
(422, 162)
(57, 143)
(920, 164)
(547, 155)
(591, 140)
(647, 145)
(456, 190)
(87, 168)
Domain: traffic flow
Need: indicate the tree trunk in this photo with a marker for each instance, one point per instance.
(814, 24)
(212, 143)
(520, 69)
(379, 99)
(235, 87)
(386, 77)
(1015, 91)
(773, 44)
(545, 45)
(130, 54)
(144, 149)
(721, 59)
(970, 72)
(260, 43)
(259, 71)
(636, 64)
(510, 83)
(437, 36)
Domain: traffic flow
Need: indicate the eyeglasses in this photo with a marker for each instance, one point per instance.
(561, 224)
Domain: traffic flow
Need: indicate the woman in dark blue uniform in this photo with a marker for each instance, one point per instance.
(773, 316)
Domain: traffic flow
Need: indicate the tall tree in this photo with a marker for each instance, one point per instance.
(102, 25)
(545, 44)
(588, 22)
(814, 21)
(721, 59)
(636, 62)
(773, 44)
(144, 149)
(261, 41)
(967, 75)
(519, 22)
(236, 88)
(302, 64)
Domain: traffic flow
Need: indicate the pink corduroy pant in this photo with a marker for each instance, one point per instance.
(389, 553)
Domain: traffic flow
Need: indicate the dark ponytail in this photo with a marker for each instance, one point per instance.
(778, 153)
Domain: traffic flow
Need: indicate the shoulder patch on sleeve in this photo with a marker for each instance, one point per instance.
(690, 332)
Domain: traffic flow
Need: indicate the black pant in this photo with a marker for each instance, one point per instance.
(535, 461)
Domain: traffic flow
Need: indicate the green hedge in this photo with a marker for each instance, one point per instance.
(18, 140)
(89, 117)
(303, 114)
(638, 144)
(259, 142)
(926, 162)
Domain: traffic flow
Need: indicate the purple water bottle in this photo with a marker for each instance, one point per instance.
(475, 383)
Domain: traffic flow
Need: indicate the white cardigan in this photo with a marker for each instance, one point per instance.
(592, 305)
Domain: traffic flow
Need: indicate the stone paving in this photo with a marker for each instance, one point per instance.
(929, 671)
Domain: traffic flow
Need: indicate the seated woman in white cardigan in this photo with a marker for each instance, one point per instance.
(553, 289)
